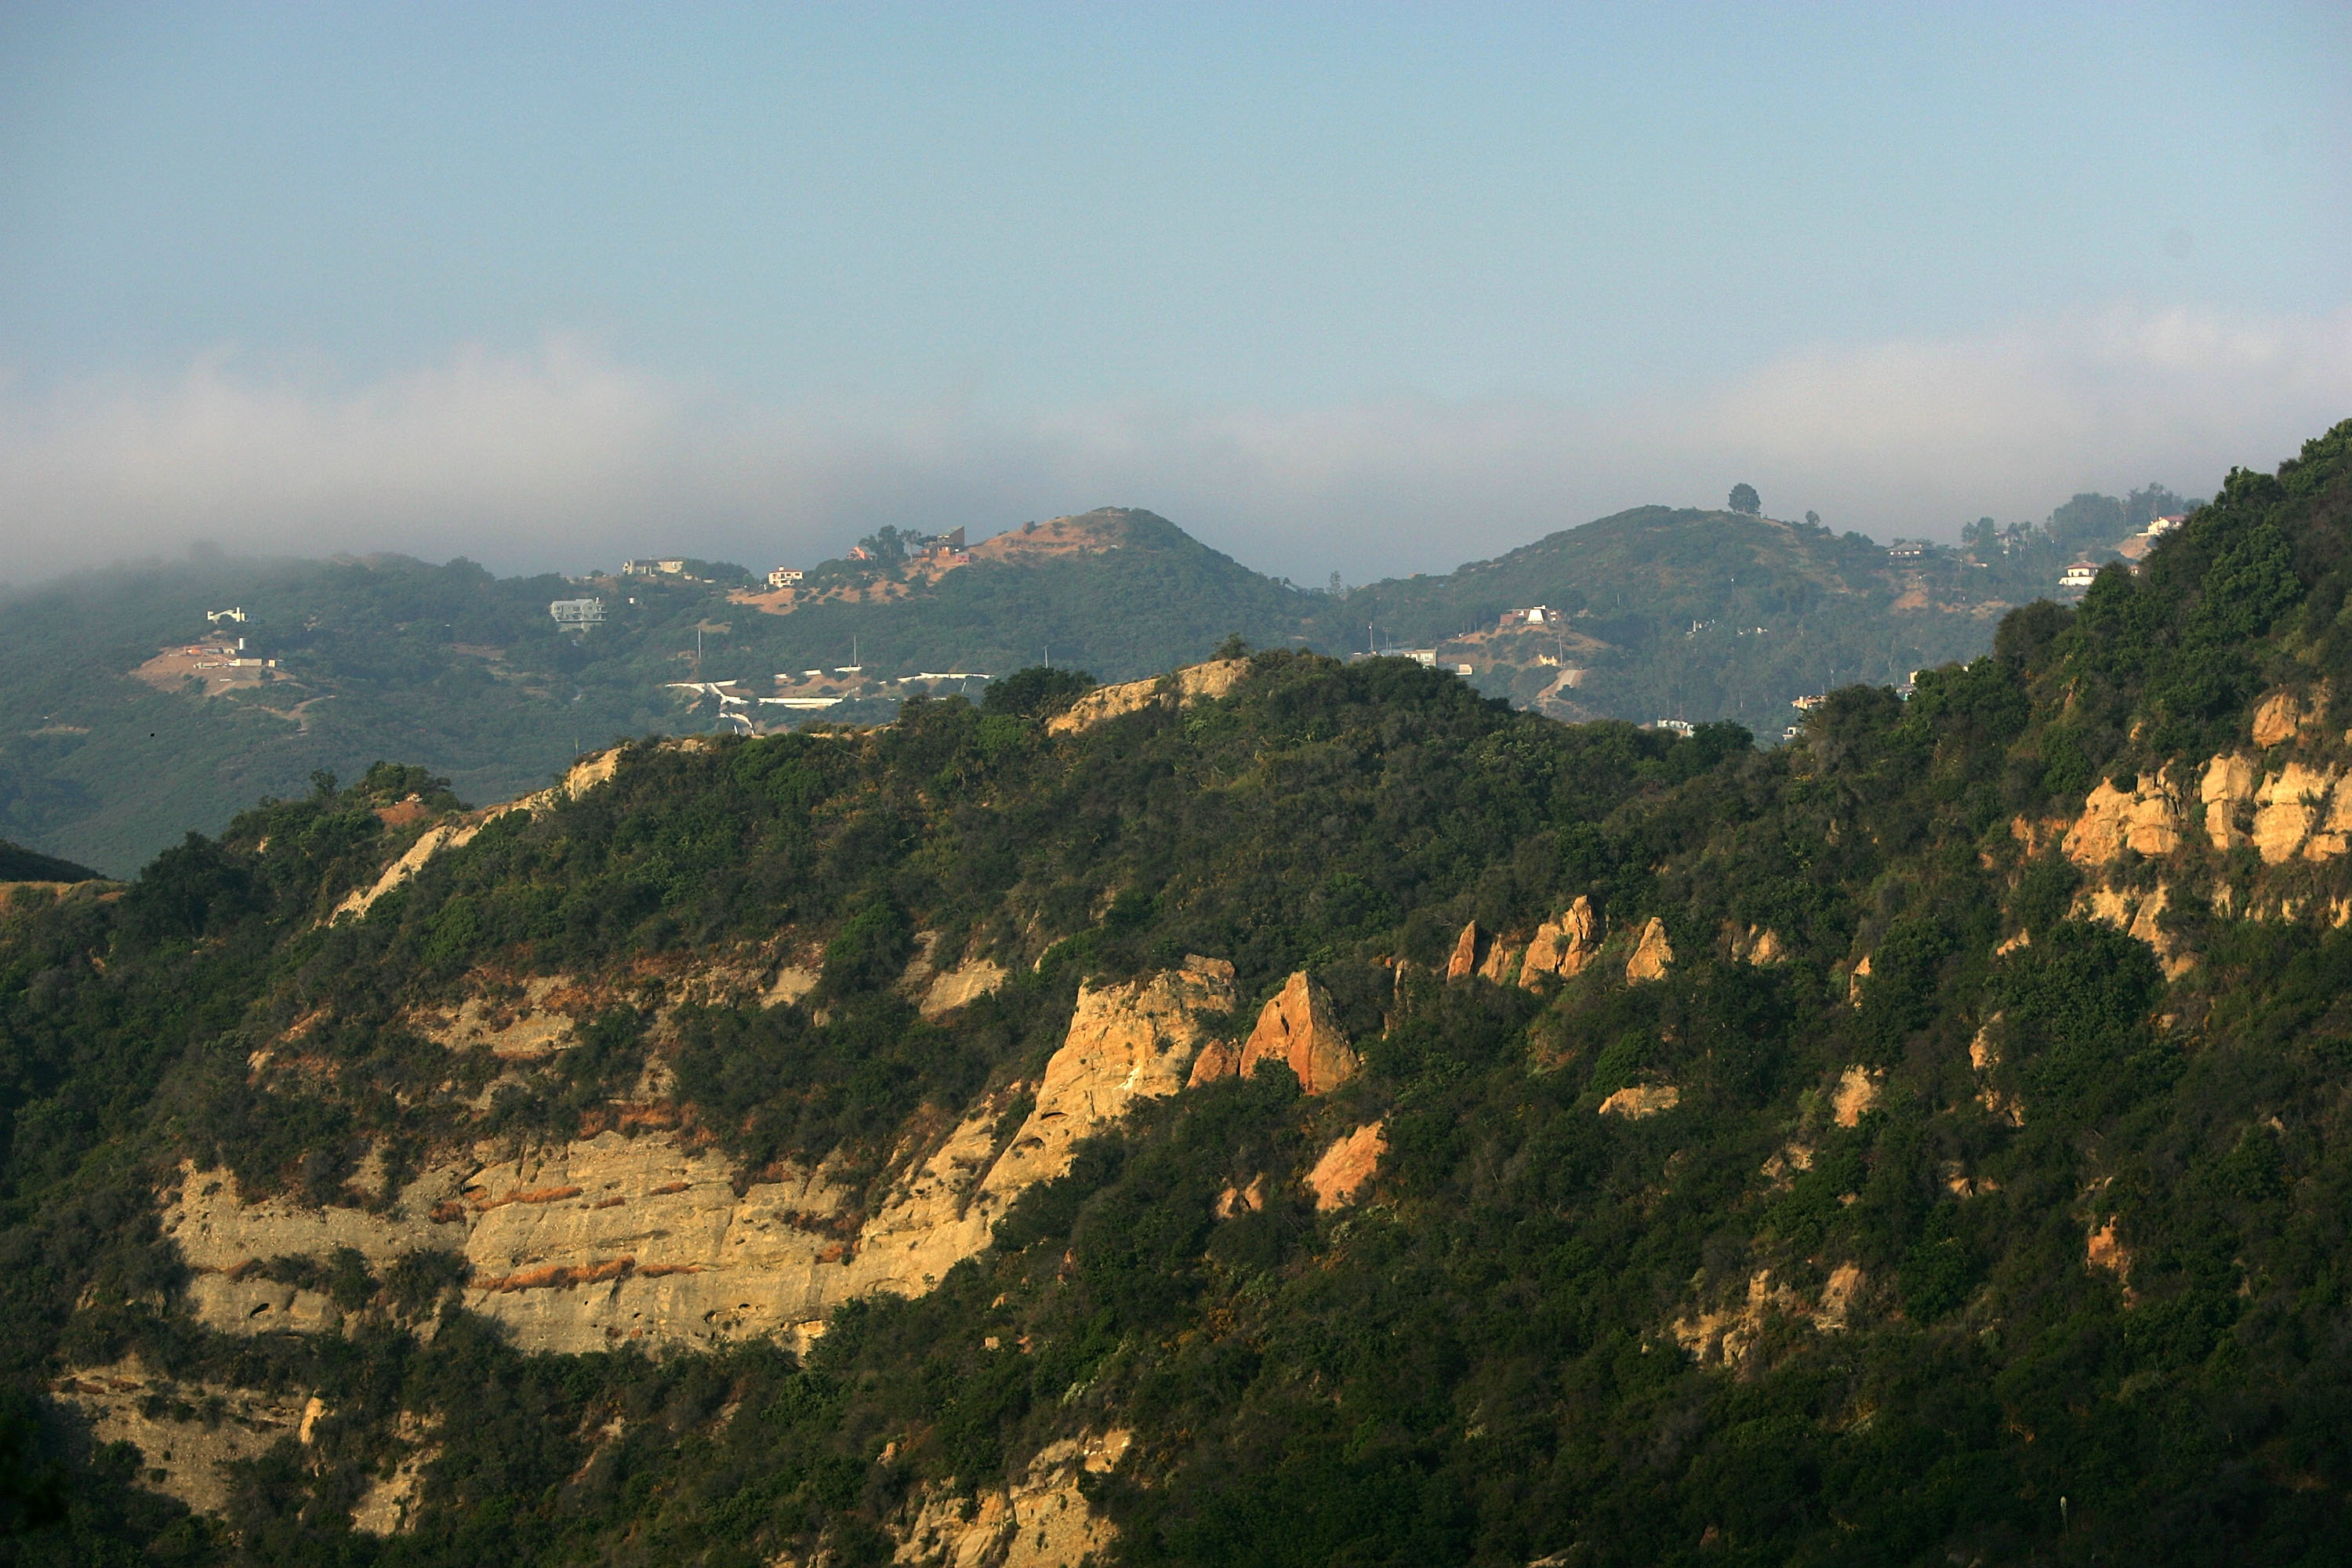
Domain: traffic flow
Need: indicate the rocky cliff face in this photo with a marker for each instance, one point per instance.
(596, 1242)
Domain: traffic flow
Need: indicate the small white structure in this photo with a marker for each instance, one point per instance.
(217, 617)
(2158, 527)
(1679, 726)
(576, 612)
(2079, 575)
(1533, 615)
(785, 576)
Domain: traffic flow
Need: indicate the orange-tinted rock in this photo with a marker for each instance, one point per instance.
(1563, 945)
(1346, 1166)
(1465, 962)
(1218, 1059)
(1497, 964)
(1298, 1029)
(1641, 1100)
(1857, 1093)
(1652, 956)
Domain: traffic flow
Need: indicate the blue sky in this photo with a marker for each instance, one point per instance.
(1365, 288)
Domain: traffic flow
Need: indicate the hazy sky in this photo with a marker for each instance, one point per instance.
(1365, 288)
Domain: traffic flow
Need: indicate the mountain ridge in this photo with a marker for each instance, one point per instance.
(1414, 1129)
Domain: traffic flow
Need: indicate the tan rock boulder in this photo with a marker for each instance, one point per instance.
(1563, 945)
(2146, 818)
(1299, 1028)
(1346, 1166)
(1652, 955)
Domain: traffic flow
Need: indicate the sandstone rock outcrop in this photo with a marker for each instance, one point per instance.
(1563, 945)
(1858, 1093)
(435, 839)
(526, 1028)
(180, 1447)
(1724, 1337)
(1126, 1042)
(1652, 955)
(1637, 1100)
(2228, 784)
(1041, 1520)
(1346, 1166)
(1183, 688)
(2146, 818)
(2138, 914)
(2282, 715)
(960, 987)
(1468, 948)
(1297, 1027)
(600, 1241)
(2287, 807)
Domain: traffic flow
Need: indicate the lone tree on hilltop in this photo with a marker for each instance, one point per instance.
(1744, 499)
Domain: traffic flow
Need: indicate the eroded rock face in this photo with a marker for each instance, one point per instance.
(1346, 1166)
(1297, 1027)
(1043, 1521)
(1127, 1042)
(1858, 1093)
(1652, 956)
(2138, 914)
(2148, 818)
(1185, 687)
(1467, 948)
(1563, 945)
(181, 1452)
(536, 1025)
(2227, 785)
(960, 987)
(1724, 1337)
(2287, 807)
(596, 1242)
(435, 839)
(1637, 1100)
(2282, 715)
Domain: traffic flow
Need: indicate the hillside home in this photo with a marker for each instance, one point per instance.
(218, 616)
(1534, 615)
(2078, 576)
(576, 612)
(785, 577)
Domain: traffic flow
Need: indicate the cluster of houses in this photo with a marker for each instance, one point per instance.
(2083, 573)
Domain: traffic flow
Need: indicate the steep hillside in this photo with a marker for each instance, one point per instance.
(1300, 1112)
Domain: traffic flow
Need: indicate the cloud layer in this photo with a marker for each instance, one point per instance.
(565, 459)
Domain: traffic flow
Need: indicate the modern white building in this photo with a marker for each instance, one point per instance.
(576, 612)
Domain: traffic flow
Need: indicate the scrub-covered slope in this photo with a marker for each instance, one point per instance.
(1311, 1114)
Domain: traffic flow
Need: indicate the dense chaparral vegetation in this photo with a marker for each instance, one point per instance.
(1474, 1363)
